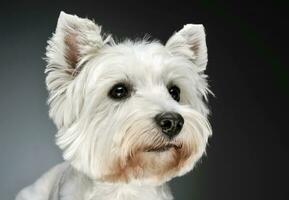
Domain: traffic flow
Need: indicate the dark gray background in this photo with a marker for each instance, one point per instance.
(248, 67)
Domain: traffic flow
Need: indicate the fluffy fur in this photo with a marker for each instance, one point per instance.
(105, 142)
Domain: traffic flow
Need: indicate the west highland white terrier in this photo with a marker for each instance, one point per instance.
(130, 115)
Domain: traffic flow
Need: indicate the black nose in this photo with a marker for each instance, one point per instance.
(171, 123)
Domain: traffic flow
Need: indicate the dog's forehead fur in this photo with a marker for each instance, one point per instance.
(144, 64)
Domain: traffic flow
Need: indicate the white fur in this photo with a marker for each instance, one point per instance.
(100, 136)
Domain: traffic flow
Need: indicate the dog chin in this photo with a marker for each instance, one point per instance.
(153, 164)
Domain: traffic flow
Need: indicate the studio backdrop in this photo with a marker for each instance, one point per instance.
(247, 156)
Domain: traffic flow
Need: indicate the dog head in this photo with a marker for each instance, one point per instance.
(128, 111)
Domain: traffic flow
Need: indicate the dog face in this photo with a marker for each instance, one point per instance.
(132, 111)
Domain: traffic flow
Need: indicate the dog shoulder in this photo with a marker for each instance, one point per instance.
(41, 189)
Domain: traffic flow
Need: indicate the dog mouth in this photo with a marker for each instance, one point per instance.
(163, 148)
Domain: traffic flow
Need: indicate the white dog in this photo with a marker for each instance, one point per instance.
(130, 115)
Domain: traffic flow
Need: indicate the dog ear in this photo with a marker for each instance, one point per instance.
(73, 43)
(73, 39)
(190, 41)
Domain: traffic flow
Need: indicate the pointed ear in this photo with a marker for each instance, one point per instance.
(73, 42)
(190, 42)
(73, 39)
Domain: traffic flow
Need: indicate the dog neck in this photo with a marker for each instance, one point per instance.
(126, 191)
(77, 186)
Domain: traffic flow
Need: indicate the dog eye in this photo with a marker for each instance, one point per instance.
(119, 91)
(175, 92)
